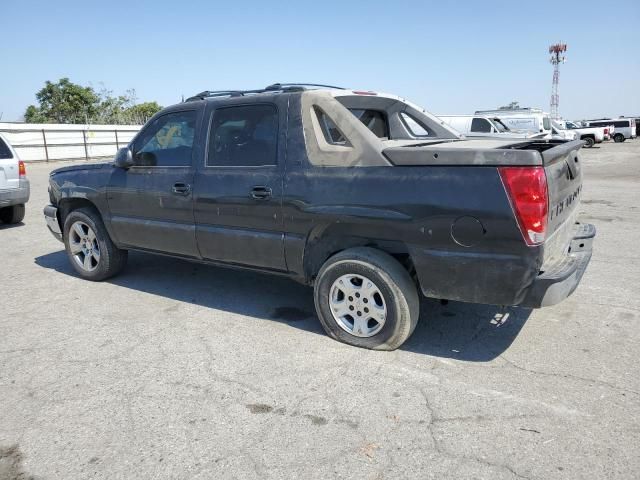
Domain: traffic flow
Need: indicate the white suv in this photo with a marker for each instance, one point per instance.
(14, 186)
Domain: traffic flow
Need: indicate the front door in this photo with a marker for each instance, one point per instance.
(238, 188)
(151, 203)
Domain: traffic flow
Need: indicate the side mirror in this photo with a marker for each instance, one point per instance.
(124, 158)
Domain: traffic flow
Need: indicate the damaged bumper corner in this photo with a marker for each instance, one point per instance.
(561, 279)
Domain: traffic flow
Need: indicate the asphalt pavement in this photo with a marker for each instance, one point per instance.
(180, 370)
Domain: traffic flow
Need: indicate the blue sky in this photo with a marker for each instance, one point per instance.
(450, 57)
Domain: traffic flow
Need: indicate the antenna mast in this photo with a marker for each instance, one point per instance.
(557, 57)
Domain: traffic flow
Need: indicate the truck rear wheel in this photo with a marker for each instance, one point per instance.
(14, 214)
(618, 138)
(89, 247)
(366, 298)
(589, 142)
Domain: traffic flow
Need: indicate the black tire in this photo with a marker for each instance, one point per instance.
(14, 214)
(394, 284)
(112, 259)
(618, 138)
(589, 142)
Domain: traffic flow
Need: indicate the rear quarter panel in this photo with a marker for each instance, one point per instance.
(413, 210)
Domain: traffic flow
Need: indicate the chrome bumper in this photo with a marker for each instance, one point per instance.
(51, 217)
(563, 278)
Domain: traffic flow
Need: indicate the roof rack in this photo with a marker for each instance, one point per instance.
(280, 86)
(276, 87)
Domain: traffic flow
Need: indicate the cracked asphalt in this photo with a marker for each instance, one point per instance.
(178, 370)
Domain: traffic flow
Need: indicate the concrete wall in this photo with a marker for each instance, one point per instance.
(36, 142)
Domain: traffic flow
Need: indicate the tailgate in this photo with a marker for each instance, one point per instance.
(563, 168)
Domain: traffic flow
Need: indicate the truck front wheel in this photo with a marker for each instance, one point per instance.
(366, 298)
(89, 248)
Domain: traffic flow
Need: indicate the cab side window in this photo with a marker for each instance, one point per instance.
(167, 141)
(243, 136)
(480, 125)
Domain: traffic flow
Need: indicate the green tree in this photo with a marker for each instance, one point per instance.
(63, 102)
(66, 102)
(34, 115)
(140, 113)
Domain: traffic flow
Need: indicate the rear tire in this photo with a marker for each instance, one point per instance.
(589, 142)
(89, 248)
(12, 215)
(618, 138)
(366, 298)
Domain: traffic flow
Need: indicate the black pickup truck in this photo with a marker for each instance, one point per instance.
(365, 196)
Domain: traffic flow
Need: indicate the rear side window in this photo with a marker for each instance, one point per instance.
(244, 136)
(621, 124)
(374, 120)
(416, 127)
(4, 150)
(167, 141)
(480, 125)
(330, 130)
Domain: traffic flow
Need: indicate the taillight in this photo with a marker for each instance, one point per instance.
(606, 131)
(22, 171)
(527, 191)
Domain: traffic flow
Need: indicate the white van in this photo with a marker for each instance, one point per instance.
(624, 127)
(479, 126)
(531, 120)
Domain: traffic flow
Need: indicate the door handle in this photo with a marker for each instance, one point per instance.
(261, 193)
(181, 188)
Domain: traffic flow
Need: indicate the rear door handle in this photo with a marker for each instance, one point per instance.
(261, 193)
(181, 188)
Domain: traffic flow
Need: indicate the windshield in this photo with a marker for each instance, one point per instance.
(499, 125)
(571, 125)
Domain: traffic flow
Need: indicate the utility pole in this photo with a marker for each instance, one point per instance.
(557, 57)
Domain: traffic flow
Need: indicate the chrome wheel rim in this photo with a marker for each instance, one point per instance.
(84, 247)
(357, 305)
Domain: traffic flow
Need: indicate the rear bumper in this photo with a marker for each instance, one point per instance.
(51, 217)
(15, 196)
(559, 280)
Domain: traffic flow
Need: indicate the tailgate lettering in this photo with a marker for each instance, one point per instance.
(566, 203)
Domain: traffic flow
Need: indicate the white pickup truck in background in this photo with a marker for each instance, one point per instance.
(480, 126)
(14, 186)
(590, 135)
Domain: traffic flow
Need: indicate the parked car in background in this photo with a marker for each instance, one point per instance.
(624, 127)
(559, 131)
(364, 196)
(14, 186)
(531, 120)
(479, 126)
(590, 135)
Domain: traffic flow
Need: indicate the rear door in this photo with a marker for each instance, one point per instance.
(238, 188)
(151, 203)
(9, 172)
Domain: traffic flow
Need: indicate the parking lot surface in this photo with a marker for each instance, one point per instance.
(180, 370)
